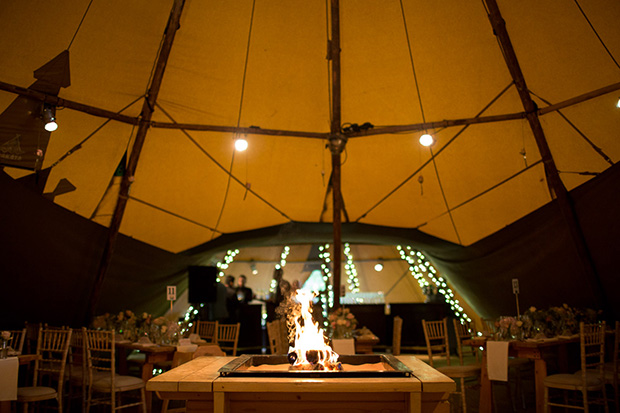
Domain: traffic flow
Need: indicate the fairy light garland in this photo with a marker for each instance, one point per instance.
(351, 270)
(225, 263)
(424, 272)
(283, 255)
(325, 256)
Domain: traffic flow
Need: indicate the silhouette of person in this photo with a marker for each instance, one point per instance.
(232, 303)
(244, 293)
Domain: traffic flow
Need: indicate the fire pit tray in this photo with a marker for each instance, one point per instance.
(239, 367)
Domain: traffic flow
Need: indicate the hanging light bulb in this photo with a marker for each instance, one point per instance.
(241, 144)
(49, 118)
(379, 266)
(618, 103)
(427, 140)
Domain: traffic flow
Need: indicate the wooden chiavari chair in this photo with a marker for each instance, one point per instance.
(591, 377)
(104, 385)
(436, 336)
(52, 347)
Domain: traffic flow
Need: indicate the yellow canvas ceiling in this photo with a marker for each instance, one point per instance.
(263, 64)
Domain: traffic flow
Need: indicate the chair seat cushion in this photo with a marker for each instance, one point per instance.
(34, 393)
(460, 371)
(572, 381)
(121, 383)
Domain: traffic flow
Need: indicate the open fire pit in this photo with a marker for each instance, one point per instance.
(359, 365)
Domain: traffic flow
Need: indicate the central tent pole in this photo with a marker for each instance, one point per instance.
(336, 145)
(128, 178)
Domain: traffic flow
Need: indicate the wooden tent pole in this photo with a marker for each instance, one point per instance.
(336, 144)
(128, 178)
(416, 127)
(556, 186)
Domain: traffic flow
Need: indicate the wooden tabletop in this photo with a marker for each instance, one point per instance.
(201, 375)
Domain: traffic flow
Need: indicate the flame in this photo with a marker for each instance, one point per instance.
(311, 350)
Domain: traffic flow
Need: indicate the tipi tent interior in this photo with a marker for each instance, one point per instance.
(141, 179)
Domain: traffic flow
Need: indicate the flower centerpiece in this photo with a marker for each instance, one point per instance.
(342, 322)
(508, 328)
(4, 338)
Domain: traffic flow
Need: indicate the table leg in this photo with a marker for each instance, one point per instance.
(219, 402)
(147, 374)
(414, 400)
(540, 372)
(486, 390)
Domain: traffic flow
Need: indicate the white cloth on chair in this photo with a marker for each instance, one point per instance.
(9, 369)
(497, 360)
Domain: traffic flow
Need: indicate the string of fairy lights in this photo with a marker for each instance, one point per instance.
(225, 263)
(283, 255)
(419, 266)
(351, 270)
(328, 303)
(424, 272)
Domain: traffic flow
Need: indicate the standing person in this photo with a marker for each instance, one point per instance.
(232, 303)
(244, 293)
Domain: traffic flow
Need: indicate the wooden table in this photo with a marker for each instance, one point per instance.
(153, 354)
(526, 349)
(199, 382)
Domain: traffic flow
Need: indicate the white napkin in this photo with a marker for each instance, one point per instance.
(497, 360)
(195, 338)
(9, 368)
(343, 346)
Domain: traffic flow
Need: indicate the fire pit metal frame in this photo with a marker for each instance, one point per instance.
(239, 367)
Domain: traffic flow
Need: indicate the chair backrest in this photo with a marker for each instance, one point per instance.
(52, 348)
(100, 353)
(16, 342)
(592, 338)
(488, 326)
(228, 337)
(207, 330)
(208, 350)
(278, 336)
(463, 330)
(397, 335)
(77, 353)
(273, 331)
(436, 336)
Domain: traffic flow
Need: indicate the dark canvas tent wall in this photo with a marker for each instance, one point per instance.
(261, 66)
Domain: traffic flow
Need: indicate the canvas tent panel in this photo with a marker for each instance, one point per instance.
(564, 46)
(488, 212)
(91, 167)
